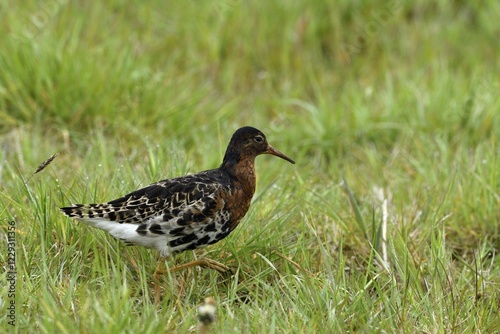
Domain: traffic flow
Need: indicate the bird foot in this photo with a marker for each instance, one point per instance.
(204, 263)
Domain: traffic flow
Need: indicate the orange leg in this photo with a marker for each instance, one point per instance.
(204, 263)
(160, 270)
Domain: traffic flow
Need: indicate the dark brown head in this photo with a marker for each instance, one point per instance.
(247, 143)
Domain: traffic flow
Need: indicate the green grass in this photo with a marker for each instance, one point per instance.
(381, 105)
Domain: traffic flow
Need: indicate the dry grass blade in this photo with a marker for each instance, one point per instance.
(295, 264)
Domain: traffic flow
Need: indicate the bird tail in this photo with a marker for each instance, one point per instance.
(75, 210)
(88, 211)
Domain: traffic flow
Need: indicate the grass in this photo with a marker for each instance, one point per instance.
(389, 222)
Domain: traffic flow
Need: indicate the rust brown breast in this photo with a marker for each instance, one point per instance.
(239, 198)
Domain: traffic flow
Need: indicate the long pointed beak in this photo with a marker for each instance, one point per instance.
(273, 151)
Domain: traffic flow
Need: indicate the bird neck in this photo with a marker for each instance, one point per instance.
(241, 168)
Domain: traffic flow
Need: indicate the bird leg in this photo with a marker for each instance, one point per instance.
(160, 270)
(204, 263)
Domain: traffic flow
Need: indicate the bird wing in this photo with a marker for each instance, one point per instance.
(186, 198)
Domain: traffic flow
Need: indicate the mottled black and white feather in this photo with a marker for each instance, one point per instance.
(171, 215)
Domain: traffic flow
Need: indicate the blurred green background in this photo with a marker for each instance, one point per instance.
(338, 74)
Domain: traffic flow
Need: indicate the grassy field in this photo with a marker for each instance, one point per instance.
(388, 223)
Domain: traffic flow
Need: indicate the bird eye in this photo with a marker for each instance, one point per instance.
(259, 139)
